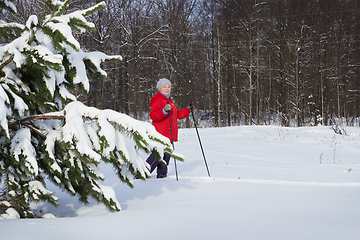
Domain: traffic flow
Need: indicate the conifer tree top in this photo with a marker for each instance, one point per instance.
(45, 132)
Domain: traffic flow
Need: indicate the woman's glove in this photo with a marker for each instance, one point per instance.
(191, 108)
(167, 107)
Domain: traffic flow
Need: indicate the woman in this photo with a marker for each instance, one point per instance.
(161, 106)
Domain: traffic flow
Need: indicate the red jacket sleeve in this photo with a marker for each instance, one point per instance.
(183, 113)
(156, 112)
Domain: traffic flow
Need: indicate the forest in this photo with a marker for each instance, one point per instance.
(239, 62)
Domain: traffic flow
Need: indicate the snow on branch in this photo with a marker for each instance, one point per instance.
(4, 112)
(22, 148)
(112, 128)
(8, 5)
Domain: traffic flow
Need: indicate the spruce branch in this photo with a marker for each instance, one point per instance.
(93, 9)
(29, 119)
(62, 9)
(10, 30)
(8, 6)
(6, 62)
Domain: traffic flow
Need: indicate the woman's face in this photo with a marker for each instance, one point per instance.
(166, 89)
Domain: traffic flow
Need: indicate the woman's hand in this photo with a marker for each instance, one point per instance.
(167, 107)
(191, 108)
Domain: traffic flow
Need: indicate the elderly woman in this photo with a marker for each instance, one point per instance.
(161, 106)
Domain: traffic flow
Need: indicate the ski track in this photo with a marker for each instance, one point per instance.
(273, 182)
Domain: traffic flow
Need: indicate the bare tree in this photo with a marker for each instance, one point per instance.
(285, 62)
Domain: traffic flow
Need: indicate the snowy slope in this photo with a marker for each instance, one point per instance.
(266, 182)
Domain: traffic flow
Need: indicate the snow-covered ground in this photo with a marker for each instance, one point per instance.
(266, 182)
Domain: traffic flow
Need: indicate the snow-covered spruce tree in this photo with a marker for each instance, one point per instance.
(45, 132)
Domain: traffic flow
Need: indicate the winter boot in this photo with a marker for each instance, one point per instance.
(161, 176)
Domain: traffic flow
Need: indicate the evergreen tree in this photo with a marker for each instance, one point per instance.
(45, 132)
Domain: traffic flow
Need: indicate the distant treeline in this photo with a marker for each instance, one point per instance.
(286, 62)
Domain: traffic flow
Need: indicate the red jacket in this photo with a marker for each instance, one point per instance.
(161, 121)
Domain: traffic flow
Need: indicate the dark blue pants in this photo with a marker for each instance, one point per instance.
(161, 169)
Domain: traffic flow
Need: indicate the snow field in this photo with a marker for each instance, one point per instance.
(266, 182)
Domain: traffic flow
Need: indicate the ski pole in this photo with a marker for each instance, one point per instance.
(172, 143)
(202, 150)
